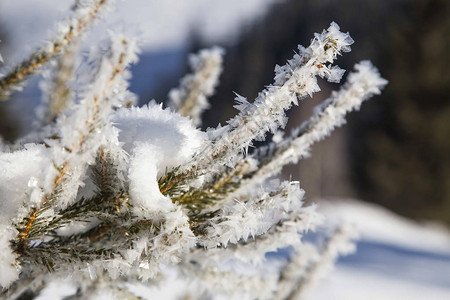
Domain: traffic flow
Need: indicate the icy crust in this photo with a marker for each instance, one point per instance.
(8, 260)
(22, 177)
(157, 140)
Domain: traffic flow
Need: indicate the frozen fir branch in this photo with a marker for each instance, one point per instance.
(361, 84)
(81, 133)
(252, 251)
(327, 116)
(83, 15)
(290, 279)
(304, 271)
(107, 172)
(190, 98)
(229, 284)
(57, 94)
(112, 195)
(211, 192)
(297, 79)
(254, 217)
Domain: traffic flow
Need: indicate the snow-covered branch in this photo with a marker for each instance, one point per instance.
(303, 271)
(57, 94)
(111, 194)
(83, 15)
(361, 84)
(296, 79)
(190, 98)
(81, 132)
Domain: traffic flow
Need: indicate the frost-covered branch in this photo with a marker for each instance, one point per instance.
(301, 275)
(296, 269)
(57, 95)
(190, 98)
(232, 285)
(109, 194)
(83, 15)
(246, 231)
(254, 217)
(287, 233)
(82, 131)
(296, 79)
(361, 84)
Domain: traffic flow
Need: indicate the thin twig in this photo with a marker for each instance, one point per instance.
(29, 66)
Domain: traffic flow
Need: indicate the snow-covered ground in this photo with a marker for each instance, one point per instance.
(396, 258)
(348, 283)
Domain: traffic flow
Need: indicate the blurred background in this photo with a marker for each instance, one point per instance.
(394, 152)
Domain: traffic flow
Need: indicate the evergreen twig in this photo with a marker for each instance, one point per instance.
(76, 25)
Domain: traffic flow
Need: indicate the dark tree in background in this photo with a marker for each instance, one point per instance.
(396, 152)
(8, 126)
(407, 162)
